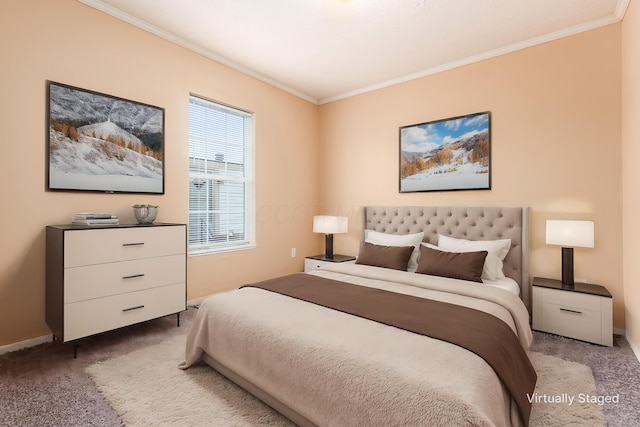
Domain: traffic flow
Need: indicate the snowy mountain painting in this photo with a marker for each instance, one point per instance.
(99, 142)
(450, 154)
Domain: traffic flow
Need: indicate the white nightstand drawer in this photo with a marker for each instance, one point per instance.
(87, 247)
(96, 281)
(572, 322)
(571, 299)
(99, 315)
(312, 264)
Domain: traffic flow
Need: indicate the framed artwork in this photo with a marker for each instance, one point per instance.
(446, 155)
(102, 143)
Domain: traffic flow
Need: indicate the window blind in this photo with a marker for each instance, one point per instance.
(220, 177)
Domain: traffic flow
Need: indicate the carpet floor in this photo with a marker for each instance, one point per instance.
(146, 389)
(46, 386)
(616, 371)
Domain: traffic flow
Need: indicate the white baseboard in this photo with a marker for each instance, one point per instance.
(635, 348)
(24, 344)
(196, 302)
(48, 338)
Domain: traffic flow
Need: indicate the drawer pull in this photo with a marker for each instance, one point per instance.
(570, 311)
(133, 308)
(133, 244)
(133, 276)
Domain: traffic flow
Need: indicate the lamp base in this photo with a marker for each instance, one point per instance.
(328, 245)
(567, 266)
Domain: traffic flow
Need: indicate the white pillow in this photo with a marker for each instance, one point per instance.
(386, 239)
(497, 251)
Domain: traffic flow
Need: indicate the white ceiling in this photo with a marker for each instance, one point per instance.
(324, 50)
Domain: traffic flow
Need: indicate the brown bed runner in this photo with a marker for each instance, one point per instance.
(477, 331)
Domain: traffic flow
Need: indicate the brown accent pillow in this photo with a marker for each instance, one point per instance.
(395, 257)
(457, 265)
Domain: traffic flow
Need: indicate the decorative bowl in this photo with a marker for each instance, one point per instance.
(145, 214)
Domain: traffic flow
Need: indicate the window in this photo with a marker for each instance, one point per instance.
(221, 189)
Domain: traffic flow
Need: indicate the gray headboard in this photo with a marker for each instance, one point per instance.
(463, 222)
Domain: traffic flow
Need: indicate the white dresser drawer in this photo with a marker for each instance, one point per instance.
(100, 280)
(572, 322)
(99, 315)
(87, 247)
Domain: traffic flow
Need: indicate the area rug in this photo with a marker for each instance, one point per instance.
(146, 388)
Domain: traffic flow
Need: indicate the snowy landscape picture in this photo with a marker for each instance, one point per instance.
(444, 155)
(103, 143)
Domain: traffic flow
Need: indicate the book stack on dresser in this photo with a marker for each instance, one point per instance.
(88, 218)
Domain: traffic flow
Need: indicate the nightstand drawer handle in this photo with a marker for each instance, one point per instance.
(133, 276)
(133, 308)
(570, 311)
(133, 244)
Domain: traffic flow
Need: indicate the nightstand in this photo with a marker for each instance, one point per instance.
(583, 311)
(317, 261)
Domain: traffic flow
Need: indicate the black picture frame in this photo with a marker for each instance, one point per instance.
(103, 143)
(450, 154)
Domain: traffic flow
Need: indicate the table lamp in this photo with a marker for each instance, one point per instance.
(329, 225)
(569, 234)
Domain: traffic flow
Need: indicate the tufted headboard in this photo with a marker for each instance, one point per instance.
(472, 223)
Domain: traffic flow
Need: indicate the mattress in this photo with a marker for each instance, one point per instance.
(324, 367)
(507, 284)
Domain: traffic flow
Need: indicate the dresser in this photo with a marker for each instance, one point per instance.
(100, 278)
(583, 311)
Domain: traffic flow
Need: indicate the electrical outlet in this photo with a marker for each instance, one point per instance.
(579, 280)
(293, 252)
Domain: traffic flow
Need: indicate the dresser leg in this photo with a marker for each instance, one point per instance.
(178, 319)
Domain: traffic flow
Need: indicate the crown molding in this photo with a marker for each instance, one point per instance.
(485, 55)
(119, 14)
(618, 16)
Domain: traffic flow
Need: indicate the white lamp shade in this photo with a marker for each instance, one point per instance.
(330, 224)
(570, 233)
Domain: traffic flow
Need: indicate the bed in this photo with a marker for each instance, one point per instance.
(323, 365)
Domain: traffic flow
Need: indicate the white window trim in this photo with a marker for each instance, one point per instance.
(250, 199)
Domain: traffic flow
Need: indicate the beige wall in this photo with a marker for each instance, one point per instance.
(631, 171)
(68, 42)
(556, 134)
(556, 129)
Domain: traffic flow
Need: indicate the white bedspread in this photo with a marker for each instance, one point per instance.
(340, 370)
